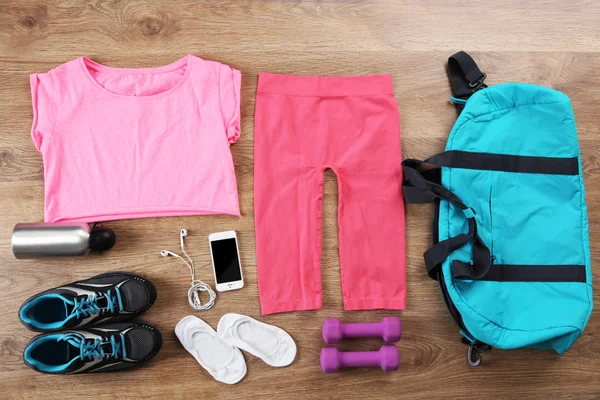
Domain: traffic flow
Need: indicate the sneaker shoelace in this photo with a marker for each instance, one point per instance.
(89, 305)
(93, 348)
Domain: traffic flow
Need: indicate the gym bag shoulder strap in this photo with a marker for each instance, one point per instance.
(511, 246)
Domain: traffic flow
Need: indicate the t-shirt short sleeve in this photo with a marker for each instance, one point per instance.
(229, 88)
(44, 98)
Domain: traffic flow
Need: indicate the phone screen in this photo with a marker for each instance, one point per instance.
(225, 256)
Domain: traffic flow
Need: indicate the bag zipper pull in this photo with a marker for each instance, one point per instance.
(474, 351)
(474, 355)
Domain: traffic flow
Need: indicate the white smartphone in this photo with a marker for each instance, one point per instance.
(226, 261)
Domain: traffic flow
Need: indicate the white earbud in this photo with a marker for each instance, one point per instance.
(196, 285)
(182, 234)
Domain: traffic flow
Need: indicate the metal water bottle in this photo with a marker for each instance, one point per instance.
(59, 239)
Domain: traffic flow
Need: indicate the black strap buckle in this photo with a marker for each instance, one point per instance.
(465, 75)
(478, 84)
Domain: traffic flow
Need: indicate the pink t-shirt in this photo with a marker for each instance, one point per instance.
(137, 142)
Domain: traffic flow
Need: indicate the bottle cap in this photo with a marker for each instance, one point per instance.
(102, 239)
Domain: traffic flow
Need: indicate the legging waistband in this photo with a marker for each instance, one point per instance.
(325, 86)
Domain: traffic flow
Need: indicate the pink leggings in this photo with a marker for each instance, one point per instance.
(303, 126)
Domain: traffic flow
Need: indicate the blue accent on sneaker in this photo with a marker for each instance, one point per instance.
(40, 325)
(80, 307)
(40, 365)
(112, 347)
(106, 298)
(85, 307)
(89, 348)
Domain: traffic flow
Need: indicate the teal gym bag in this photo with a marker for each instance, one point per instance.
(511, 248)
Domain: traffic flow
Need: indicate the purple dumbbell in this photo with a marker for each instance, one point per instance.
(390, 329)
(388, 358)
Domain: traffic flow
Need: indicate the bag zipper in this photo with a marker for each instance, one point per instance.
(476, 347)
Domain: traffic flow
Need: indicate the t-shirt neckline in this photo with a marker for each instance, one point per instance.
(185, 61)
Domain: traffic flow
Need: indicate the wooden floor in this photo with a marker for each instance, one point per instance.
(552, 43)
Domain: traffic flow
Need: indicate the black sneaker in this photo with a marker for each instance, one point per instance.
(99, 349)
(105, 298)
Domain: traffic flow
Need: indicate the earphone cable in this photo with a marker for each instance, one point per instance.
(197, 285)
